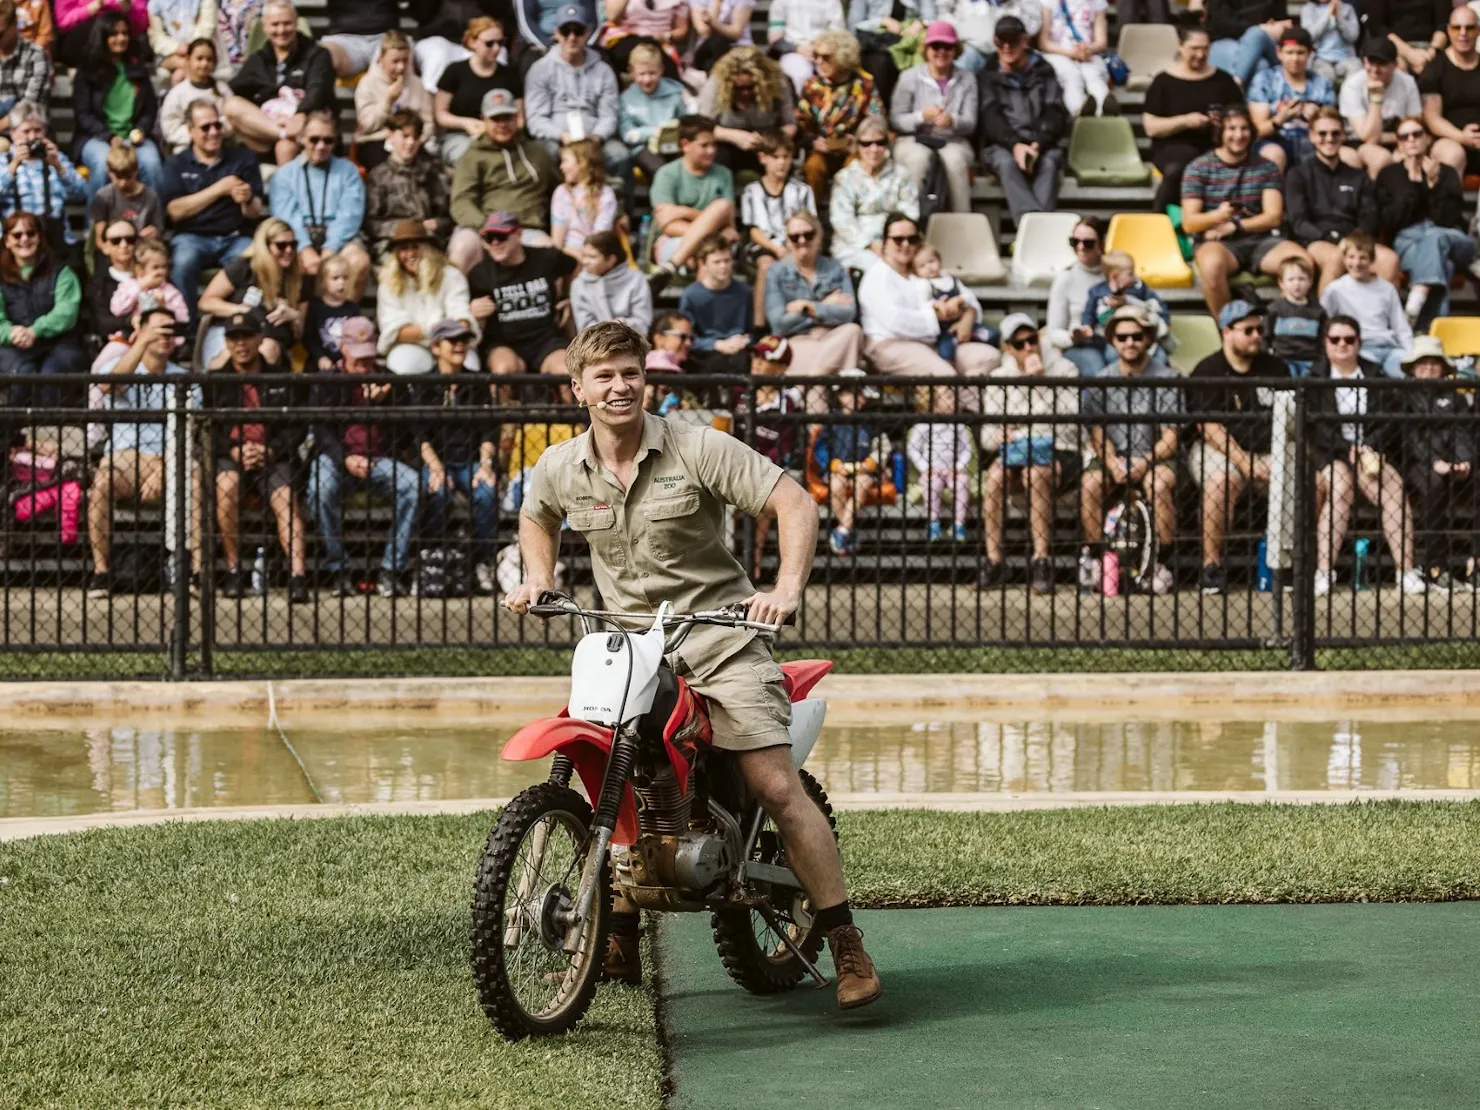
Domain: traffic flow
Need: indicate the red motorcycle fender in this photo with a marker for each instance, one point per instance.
(585, 745)
(801, 675)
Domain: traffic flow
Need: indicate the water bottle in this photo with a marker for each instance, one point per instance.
(642, 237)
(1265, 581)
(1360, 565)
(1110, 574)
(259, 572)
(900, 470)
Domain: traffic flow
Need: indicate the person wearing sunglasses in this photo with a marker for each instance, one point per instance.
(1068, 295)
(1373, 100)
(261, 116)
(1022, 120)
(833, 102)
(322, 198)
(865, 191)
(976, 21)
(934, 113)
(746, 95)
(40, 303)
(268, 277)
(571, 93)
(1421, 201)
(463, 76)
(792, 28)
(116, 244)
(810, 301)
(1450, 85)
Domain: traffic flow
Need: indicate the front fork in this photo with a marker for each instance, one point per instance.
(613, 786)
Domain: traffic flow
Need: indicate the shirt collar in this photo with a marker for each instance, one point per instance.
(652, 440)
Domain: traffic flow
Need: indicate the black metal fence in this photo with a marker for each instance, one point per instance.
(330, 525)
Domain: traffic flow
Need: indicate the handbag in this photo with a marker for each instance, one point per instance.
(1115, 67)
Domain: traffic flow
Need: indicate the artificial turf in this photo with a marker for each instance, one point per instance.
(324, 962)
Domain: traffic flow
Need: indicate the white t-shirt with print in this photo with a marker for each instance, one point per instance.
(1082, 12)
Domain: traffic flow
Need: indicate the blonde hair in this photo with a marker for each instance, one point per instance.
(394, 39)
(924, 251)
(123, 161)
(429, 270)
(1358, 241)
(753, 61)
(147, 248)
(841, 45)
(1117, 261)
(334, 264)
(644, 54)
(278, 286)
(599, 342)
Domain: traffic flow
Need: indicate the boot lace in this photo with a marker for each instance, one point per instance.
(848, 954)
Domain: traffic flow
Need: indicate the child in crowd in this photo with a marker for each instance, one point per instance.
(583, 203)
(199, 83)
(850, 456)
(1335, 28)
(326, 313)
(766, 205)
(1372, 302)
(1292, 328)
(1122, 287)
(609, 289)
(649, 102)
(962, 309)
(150, 284)
(770, 357)
(941, 454)
(720, 308)
(409, 185)
(125, 197)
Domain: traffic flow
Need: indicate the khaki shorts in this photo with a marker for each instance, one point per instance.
(1203, 462)
(748, 704)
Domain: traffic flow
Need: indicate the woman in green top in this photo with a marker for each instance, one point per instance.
(39, 302)
(115, 103)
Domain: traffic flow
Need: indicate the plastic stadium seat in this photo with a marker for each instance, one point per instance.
(968, 249)
(883, 493)
(1147, 48)
(1150, 239)
(1102, 151)
(1041, 247)
(1197, 338)
(1459, 334)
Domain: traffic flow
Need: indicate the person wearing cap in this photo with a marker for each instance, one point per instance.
(410, 184)
(1233, 201)
(467, 75)
(935, 102)
(268, 275)
(1374, 99)
(359, 452)
(321, 196)
(520, 296)
(500, 172)
(976, 24)
(792, 27)
(1141, 455)
(416, 287)
(1244, 35)
(259, 453)
(1034, 461)
(1414, 27)
(1235, 427)
(1022, 120)
(1334, 29)
(810, 301)
(1450, 86)
(288, 60)
(1074, 38)
(1283, 99)
(1439, 459)
(571, 93)
(1183, 110)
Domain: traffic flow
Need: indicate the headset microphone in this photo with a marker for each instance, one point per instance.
(600, 405)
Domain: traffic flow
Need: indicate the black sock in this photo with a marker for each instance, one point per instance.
(833, 917)
(625, 924)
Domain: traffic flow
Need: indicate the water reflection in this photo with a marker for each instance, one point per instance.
(54, 773)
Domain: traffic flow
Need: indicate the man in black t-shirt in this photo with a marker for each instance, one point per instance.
(519, 298)
(1450, 85)
(1234, 450)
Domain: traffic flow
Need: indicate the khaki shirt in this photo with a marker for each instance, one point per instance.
(662, 539)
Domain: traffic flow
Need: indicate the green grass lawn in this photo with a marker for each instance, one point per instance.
(324, 963)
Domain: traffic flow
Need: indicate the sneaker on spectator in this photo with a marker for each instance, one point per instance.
(935, 532)
(661, 275)
(298, 589)
(1214, 580)
(840, 542)
(391, 584)
(958, 533)
(483, 574)
(233, 584)
(99, 584)
(1445, 582)
(1041, 577)
(345, 584)
(1412, 581)
(1325, 579)
(1089, 572)
(990, 576)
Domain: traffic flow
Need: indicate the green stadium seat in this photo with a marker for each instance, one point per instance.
(1197, 338)
(968, 249)
(1150, 239)
(1041, 247)
(1102, 151)
(1147, 48)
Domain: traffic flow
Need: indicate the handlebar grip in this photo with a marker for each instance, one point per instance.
(551, 597)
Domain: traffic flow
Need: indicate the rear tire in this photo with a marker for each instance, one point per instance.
(527, 984)
(752, 954)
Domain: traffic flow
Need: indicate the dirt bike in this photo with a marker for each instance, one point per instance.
(671, 826)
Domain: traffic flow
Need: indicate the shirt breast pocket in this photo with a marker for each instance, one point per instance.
(599, 525)
(671, 523)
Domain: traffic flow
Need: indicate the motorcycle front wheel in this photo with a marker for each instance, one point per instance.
(529, 878)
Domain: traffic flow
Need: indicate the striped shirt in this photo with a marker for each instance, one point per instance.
(1211, 180)
(759, 208)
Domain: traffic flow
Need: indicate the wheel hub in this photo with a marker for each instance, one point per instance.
(555, 914)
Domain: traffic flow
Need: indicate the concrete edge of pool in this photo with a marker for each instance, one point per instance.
(852, 698)
(19, 828)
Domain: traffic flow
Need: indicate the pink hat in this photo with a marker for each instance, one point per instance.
(941, 31)
(665, 361)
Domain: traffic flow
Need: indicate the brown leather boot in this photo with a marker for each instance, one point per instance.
(858, 980)
(623, 961)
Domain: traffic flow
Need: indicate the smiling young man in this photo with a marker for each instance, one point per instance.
(651, 497)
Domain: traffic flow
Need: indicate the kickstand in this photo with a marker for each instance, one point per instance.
(780, 930)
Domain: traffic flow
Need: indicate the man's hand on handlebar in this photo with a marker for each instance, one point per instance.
(526, 595)
(773, 607)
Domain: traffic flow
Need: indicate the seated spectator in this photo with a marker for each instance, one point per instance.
(1035, 461)
(1233, 453)
(1073, 40)
(1356, 448)
(1121, 287)
(934, 111)
(647, 104)
(1373, 302)
(976, 24)
(633, 23)
(501, 172)
(1244, 34)
(571, 93)
(583, 203)
(766, 206)
(1142, 455)
(324, 316)
(1422, 205)
(212, 194)
(718, 25)
(235, 22)
(1069, 293)
(261, 455)
(746, 96)
(673, 335)
(520, 298)
(463, 86)
(127, 198)
(409, 185)
(76, 20)
(414, 290)
(1293, 325)
(1415, 28)
(693, 199)
(198, 83)
(276, 88)
(852, 456)
(149, 286)
(941, 455)
(1183, 111)
(830, 107)
(864, 193)
(1284, 99)
(609, 289)
(1439, 466)
(114, 103)
(322, 198)
(357, 34)
(720, 307)
(960, 310)
(1450, 85)
(40, 302)
(25, 68)
(133, 466)
(810, 301)
(792, 28)
(1334, 28)
(1232, 200)
(873, 24)
(266, 277)
(1374, 99)
(174, 25)
(389, 86)
(37, 178)
(459, 456)
(33, 18)
(116, 246)
(1022, 118)
(358, 451)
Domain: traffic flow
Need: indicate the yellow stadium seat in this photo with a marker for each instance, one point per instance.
(1459, 334)
(1197, 338)
(1149, 238)
(968, 249)
(1147, 48)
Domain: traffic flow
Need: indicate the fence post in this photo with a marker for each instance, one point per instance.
(1302, 642)
(207, 545)
(183, 506)
(747, 436)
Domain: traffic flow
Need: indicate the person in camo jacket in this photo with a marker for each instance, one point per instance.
(408, 185)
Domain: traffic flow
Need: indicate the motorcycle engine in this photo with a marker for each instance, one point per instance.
(691, 862)
(698, 860)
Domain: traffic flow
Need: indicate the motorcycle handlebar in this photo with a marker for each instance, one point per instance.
(552, 604)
